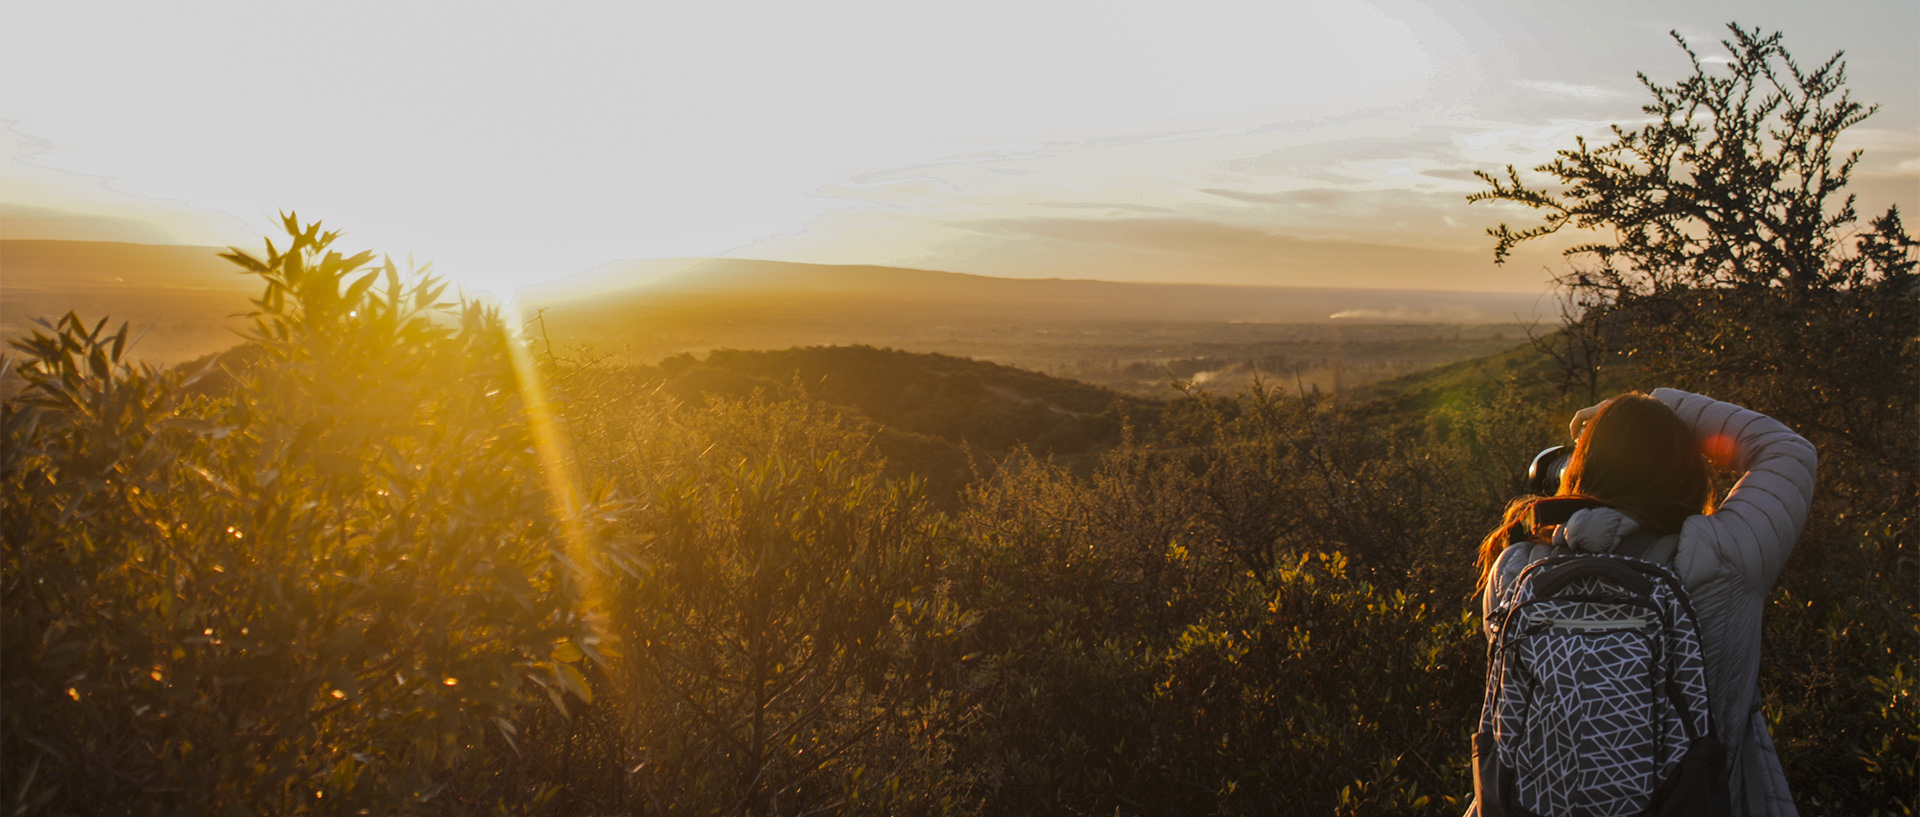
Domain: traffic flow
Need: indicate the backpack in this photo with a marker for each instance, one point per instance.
(1596, 701)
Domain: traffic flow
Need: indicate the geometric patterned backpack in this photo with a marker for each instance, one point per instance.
(1596, 700)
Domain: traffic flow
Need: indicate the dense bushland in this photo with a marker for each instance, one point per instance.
(328, 575)
(930, 414)
(313, 587)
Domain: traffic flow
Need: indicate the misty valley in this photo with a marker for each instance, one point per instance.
(1138, 339)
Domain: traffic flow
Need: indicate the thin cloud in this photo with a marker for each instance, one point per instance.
(1586, 93)
(1110, 206)
(1198, 237)
(1328, 157)
(37, 201)
(1240, 195)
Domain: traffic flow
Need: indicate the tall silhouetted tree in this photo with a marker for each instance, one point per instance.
(1736, 183)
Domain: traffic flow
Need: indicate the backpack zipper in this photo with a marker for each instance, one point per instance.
(1597, 624)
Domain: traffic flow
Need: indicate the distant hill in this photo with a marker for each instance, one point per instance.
(183, 298)
(928, 410)
(687, 292)
(1133, 337)
(1129, 336)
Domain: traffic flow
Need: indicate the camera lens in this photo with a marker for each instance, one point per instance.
(1543, 476)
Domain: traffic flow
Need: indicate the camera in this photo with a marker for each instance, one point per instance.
(1544, 476)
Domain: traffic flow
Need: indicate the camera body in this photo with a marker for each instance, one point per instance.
(1544, 475)
(1548, 468)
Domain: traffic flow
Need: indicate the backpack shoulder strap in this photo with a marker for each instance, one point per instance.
(1664, 550)
(1644, 544)
(1636, 544)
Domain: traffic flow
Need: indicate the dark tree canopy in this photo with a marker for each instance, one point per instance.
(1727, 255)
(1737, 182)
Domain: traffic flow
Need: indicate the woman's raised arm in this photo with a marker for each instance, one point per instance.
(1754, 530)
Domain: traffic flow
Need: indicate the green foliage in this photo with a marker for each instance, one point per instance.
(930, 413)
(236, 587)
(780, 608)
(1842, 709)
(1175, 634)
(311, 592)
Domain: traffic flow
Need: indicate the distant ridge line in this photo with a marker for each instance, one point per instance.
(659, 270)
(766, 287)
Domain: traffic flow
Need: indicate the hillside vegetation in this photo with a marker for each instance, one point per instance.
(1131, 337)
(935, 417)
(364, 572)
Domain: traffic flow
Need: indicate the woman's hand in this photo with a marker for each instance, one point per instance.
(1582, 417)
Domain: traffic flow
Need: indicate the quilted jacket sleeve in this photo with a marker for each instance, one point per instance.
(1754, 530)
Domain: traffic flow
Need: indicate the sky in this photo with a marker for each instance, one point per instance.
(1210, 141)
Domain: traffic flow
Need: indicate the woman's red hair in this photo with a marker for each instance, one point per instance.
(1635, 455)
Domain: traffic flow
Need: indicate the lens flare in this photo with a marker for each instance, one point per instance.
(555, 452)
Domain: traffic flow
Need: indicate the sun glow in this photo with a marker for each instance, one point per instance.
(558, 465)
(519, 146)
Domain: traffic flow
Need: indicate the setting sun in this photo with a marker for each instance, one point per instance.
(1127, 141)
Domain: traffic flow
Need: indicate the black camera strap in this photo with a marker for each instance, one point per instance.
(1556, 510)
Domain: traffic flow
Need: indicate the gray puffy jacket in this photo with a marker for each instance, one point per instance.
(1728, 561)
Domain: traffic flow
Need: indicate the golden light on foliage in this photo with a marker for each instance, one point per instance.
(369, 562)
(354, 493)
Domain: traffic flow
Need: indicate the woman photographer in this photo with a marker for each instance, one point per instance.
(1639, 474)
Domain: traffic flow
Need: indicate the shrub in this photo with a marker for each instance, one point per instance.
(314, 590)
(789, 645)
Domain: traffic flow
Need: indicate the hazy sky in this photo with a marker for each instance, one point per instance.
(1249, 142)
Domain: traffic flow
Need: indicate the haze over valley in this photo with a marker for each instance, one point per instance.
(185, 302)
